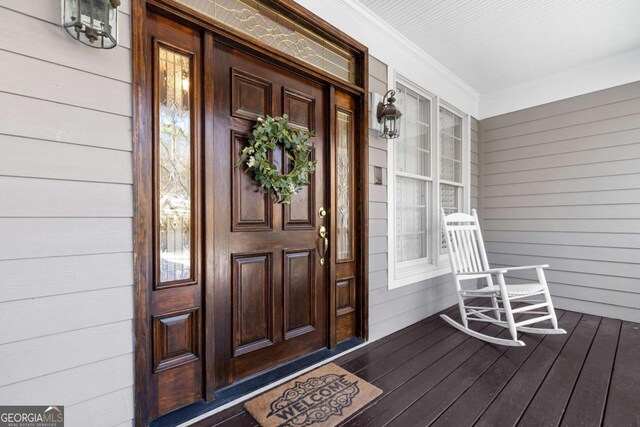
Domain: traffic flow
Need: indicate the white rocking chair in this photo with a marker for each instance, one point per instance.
(469, 261)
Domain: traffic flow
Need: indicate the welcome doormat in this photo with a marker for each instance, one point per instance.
(323, 397)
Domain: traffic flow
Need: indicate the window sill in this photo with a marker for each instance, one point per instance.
(409, 278)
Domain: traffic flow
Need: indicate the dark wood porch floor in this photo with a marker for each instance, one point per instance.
(432, 374)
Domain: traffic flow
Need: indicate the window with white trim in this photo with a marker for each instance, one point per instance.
(451, 187)
(428, 169)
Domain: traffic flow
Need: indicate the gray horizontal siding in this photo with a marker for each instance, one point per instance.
(561, 186)
(66, 264)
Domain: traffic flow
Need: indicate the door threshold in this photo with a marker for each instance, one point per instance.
(254, 385)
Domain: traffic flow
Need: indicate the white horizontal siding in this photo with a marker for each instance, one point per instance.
(72, 386)
(44, 316)
(63, 123)
(51, 82)
(48, 42)
(35, 158)
(66, 263)
(58, 198)
(35, 9)
(562, 187)
(114, 409)
(25, 359)
(29, 238)
(59, 275)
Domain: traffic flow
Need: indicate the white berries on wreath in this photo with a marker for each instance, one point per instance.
(266, 134)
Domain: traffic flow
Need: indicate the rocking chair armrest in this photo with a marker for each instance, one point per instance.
(502, 270)
(484, 272)
(525, 267)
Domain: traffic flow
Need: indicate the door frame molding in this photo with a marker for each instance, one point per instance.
(143, 261)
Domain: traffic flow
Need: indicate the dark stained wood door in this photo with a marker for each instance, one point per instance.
(228, 284)
(269, 286)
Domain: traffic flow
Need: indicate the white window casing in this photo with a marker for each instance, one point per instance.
(416, 252)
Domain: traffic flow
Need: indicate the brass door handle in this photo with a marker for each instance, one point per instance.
(322, 232)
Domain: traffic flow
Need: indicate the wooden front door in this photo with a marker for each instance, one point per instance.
(270, 281)
(228, 283)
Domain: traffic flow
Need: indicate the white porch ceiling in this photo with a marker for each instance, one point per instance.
(495, 44)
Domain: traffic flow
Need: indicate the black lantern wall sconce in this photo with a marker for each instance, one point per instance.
(92, 22)
(389, 116)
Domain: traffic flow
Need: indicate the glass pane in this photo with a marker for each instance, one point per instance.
(412, 148)
(174, 164)
(276, 30)
(344, 187)
(412, 231)
(450, 200)
(450, 146)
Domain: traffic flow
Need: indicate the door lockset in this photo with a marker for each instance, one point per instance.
(322, 232)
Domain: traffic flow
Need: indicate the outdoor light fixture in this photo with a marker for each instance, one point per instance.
(389, 116)
(92, 22)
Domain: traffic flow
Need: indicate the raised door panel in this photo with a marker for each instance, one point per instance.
(345, 308)
(253, 315)
(301, 111)
(175, 339)
(251, 209)
(300, 108)
(345, 296)
(251, 96)
(299, 292)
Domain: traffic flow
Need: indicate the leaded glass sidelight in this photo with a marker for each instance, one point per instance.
(344, 219)
(174, 151)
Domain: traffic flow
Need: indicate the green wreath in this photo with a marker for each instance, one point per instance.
(267, 133)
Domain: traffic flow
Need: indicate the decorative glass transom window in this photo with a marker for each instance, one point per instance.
(271, 27)
(428, 170)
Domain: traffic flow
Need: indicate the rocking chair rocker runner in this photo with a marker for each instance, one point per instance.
(469, 261)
